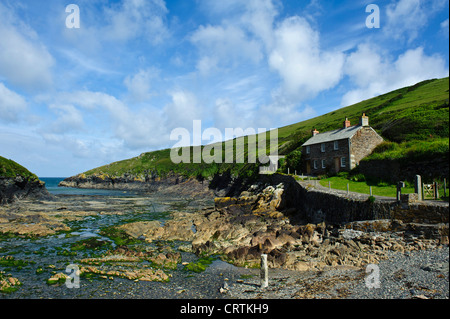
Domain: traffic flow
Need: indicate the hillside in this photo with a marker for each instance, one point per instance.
(11, 169)
(414, 120)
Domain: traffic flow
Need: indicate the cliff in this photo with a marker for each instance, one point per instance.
(16, 182)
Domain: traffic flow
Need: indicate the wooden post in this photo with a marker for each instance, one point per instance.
(264, 271)
(445, 187)
(436, 190)
(418, 187)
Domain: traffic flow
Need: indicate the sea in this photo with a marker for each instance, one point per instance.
(51, 183)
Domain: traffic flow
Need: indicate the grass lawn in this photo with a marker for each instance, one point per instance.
(380, 189)
(363, 187)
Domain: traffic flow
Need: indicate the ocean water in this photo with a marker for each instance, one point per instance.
(51, 183)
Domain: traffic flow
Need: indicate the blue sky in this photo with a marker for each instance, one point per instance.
(76, 98)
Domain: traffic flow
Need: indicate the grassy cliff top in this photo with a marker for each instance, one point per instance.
(417, 114)
(9, 168)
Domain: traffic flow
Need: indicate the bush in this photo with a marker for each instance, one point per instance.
(358, 178)
(371, 199)
(386, 146)
(294, 160)
(342, 174)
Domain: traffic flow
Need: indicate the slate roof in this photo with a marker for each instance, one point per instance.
(340, 134)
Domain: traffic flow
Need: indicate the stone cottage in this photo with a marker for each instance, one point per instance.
(339, 150)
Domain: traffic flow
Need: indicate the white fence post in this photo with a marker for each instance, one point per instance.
(264, 271)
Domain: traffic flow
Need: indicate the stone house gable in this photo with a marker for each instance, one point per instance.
(339, 150)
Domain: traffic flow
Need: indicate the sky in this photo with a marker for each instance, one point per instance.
(74, 97)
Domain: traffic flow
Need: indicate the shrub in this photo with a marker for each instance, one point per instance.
(358, 178)
(371, 199)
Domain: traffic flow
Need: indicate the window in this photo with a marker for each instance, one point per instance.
(322, 147)
(336, 145)
(323, 164)
(343, 162)
(308, 149)
(315, 164)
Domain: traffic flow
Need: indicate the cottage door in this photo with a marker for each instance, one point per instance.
(308, 167)
(337, 164)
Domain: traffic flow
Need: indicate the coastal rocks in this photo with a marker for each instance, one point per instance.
(316, 246)
(131, 266)
(13, 189)
(141, 274)
(30, 224)
(172, 184)
(258, 221)
(57, 278)
(8, 283)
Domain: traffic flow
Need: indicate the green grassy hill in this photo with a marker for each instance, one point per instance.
(10, 169)
(413, 120)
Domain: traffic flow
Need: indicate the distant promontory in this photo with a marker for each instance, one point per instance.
(17, 182)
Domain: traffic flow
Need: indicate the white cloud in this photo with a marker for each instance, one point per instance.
(12, 105)
(139, 86)
(444, 27)
(24, 61)
(304, 68)
(136, 128)
(76, 146)
(374, 73)
(406, 18)
(224, 45)
(69, 118)
(228, 115)
(137, 18)
(259, 18)
(291, 49)
(183, 109)
(86, 63)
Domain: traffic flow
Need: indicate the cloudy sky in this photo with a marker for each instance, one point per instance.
(76, 98)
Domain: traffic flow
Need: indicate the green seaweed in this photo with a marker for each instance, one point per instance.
(200, 265)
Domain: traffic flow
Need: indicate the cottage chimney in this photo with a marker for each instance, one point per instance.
(346, 123)
(314, 132)
(364, 120)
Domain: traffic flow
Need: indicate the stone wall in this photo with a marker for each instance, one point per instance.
(315, 204)
(363, 143)
(322, 205)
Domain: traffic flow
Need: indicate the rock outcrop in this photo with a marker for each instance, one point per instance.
(259, 221)
(19, 187)
(172, 184)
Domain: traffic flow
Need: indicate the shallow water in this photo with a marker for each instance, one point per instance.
(52, 254)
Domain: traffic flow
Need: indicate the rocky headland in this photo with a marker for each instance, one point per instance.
(16, 182)
(19, 187)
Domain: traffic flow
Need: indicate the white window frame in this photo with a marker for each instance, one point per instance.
(323, 164)
(343, 162)
(315, 164)
(308, 149)
(322, 147)
(336, 145)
